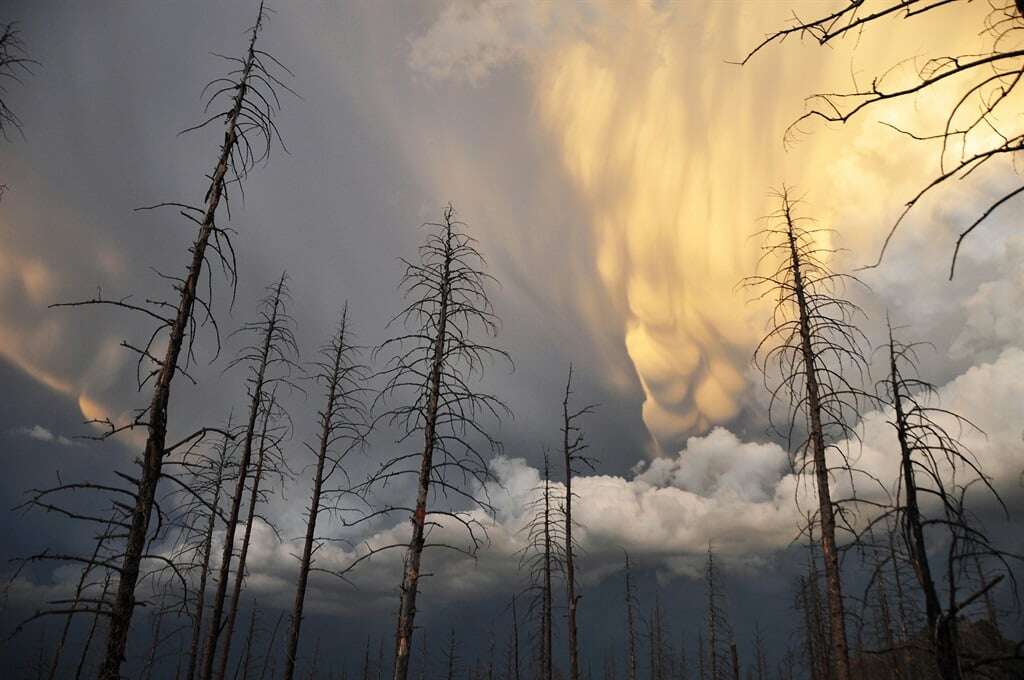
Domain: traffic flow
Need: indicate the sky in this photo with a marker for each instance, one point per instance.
(615, 168)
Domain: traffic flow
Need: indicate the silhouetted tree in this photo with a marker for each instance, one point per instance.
(270, 359)
(436, 361)
(342, 424)
(573, 447)
(543, 558)
(630, 599)
(248, 133)
(811, 346)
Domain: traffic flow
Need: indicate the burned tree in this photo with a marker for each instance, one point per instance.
(717, 622)
(269, 462)
(342, 423)
(270, 358)
(543, 558)
(811, 346)
(630, 597)
(982, 124)
(247, 93)
(936, 469)
(435, 362)
(209, 474)
(573, 448)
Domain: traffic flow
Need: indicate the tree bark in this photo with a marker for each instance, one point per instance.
(830, 555)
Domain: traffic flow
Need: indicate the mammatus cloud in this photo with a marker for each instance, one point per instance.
(673, 153)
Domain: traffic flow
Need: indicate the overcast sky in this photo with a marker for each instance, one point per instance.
(614, 168)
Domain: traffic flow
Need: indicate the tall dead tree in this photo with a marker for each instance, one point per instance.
(269, 359)
(543, 558)
(934, 464)
(811, 346)
(248, 132)
(435, 362)
(717, 621)
(573, 448)
(342, 422)
(269, 461)
(630, 598)
(983, 123)
(211, 474)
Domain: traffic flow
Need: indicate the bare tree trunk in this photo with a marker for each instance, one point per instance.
(236, 594)
(630, 626)
(204, 573)
(943, 638)
(411, 579)
(760, 661)
(515, 638)
(546, 627)
(570, 569)
(826, 510)
(450, 657)
(256, 400)
(701, 658)
(735, 661)
(328, 429)
(152, 461)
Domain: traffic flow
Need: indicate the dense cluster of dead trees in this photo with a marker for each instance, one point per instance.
(173, 538)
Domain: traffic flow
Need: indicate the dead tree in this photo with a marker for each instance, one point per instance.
(543, 558)
(630, 597)
(981, 126)
(248, 132)
(270, 359)
(515, 674)
(14, 64)
(210, 475)
(760, 659)
(434, 364)
(573, 447)
(269, 461)
(934, 465)
(717, 621)
(343, 422)
(701, 658)
(451, 659)
(657, 637)
(811, 347)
